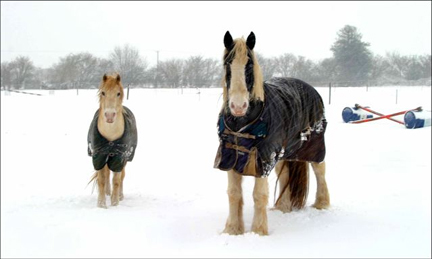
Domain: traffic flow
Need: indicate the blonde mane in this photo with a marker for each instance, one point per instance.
(240, 50)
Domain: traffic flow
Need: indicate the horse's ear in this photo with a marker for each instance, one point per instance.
(118, 77)
(228, 41)
(250, 42)
(105, 77)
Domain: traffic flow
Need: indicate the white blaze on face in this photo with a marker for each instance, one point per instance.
(238, 94)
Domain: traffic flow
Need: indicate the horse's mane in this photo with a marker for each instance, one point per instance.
(240, 53)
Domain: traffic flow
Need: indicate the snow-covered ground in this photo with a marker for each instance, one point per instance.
(378, 173)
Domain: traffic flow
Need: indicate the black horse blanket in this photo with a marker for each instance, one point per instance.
(114, 153)
(290, 125)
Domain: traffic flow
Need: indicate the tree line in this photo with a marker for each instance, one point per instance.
(352, 64)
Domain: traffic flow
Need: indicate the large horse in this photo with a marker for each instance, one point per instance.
(112, 140)
(277, 124)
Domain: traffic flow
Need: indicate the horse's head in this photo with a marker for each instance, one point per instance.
(242, 82)
(110, 97)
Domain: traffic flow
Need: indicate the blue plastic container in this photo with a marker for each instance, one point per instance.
(417, 119)
(354, 114)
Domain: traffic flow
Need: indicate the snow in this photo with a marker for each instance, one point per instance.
(378, 174)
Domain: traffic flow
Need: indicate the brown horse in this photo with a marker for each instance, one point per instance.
(277, 124)
(112, 140)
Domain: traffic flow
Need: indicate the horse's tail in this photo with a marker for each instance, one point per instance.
(94, 180)
(297, 184)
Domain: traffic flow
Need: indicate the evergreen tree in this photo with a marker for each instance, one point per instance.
(351, 54)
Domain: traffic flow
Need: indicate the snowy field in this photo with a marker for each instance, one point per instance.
(378, 174)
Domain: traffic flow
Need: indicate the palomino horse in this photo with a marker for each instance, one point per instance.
(277, 124)
(112, 140)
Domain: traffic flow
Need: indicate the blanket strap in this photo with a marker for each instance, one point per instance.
(237, 134)
(236, 147)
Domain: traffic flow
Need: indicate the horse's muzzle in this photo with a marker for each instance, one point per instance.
(109, 117)
(239, 110)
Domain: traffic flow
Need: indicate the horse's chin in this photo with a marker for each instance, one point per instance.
(238, 115)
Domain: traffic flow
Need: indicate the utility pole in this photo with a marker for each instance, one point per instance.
(157, 68)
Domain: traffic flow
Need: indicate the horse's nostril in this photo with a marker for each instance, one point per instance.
(110, 114)
(232, 106)
(244, 105)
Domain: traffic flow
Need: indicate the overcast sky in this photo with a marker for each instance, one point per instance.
(45, 31)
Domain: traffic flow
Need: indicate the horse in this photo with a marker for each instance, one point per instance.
(112, 139)
(264, 125)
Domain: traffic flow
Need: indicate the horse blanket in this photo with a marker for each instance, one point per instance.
(289, 125)
(114, 153)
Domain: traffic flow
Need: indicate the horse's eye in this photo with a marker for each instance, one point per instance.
(118, 94)
(103, 93)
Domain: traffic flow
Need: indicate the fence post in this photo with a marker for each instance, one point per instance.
(127, 96)
(396, 96)
(330, 86)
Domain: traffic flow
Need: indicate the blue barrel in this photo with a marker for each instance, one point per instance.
(354, 114)
(417, 119)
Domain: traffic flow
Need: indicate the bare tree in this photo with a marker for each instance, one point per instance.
(170, 72)
(268, 66)
(76, 71)
(22, 71)
(379, 67)
(398, 64)
(128, 62)
(285, 64)
(325, 70)
(104, 66)
(200, 72)
(425, 61)
(302, 69)
(6, 75)
(212, 72)
(87, 70)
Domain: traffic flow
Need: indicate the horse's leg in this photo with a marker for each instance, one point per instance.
(116, 188)
(283, 202)
(260, 196)
(234, 224)
(101, 175)
(107, 183)
(123, 174)
(322, 200)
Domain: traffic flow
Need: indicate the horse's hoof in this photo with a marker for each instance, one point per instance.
(321, 205)
(121, 197)
(102, 204)
(261, 232)
(234, 230)
(114, 201)
(283, 209)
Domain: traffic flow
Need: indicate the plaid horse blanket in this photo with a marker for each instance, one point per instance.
(289, 125)
(114, 153)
